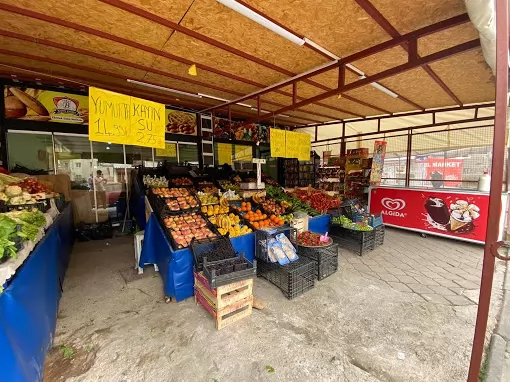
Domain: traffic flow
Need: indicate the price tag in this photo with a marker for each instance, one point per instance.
(170, 150)
(147, 123)
(109, 119)
(291, 144)
(277, 143)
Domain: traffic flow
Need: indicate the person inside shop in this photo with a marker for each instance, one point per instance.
(100, 182)
(90, 181)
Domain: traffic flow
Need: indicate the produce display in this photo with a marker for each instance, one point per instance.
(171, 192)
(318, 200)
(227, 185)
(258, 198)
(260, 220)
(206, 199)
(213, 190)
(182, 181)
(216, 209)
(279, 195)
(281, 250)
(229, 224)
(184, 228)
(345, 222)
(18, 226)
(230, 196)
(32, 186)
(152, 181)
(272, 207)
(14, 195)
(286, 218)
(181, 203)
(312, 239)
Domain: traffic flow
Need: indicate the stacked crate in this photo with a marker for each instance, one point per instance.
(227, 303)
(326, 259)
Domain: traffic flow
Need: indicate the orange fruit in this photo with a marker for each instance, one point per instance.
(243, 204)
(258, 212)
(256, 225)
(264, 216)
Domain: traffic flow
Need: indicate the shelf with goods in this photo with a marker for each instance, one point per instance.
(357, 175)
(330, 176)
(296, 173)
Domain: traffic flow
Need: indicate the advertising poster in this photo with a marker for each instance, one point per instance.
(443, 172)
(239, 131)
(180, 122)
(45, 105)
(378, 162)
(459, 215)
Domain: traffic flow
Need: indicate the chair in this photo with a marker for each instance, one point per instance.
(138, 251)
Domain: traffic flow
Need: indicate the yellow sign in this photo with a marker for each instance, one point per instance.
(109, 116)
(125, 120)
(291, 144)
(224, 153)
(277, 143)
(170, 150)
(243, 153)
(304, 146)
(147, 123)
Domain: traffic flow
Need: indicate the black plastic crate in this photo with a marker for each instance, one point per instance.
(228, 271)
(262, 236)
(293, 279)
(326, 259)
(42, 205)
(168, 231)
(379, 235)
(214, 249)
(359, 242)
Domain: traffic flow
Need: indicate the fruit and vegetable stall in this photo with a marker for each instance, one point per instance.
(264, 226)
(36, 236)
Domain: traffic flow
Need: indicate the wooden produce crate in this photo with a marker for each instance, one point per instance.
(226, 304)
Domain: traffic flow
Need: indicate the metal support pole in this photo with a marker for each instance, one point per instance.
(498, 157)
(127, 188)
(93, 179)
(408, 157)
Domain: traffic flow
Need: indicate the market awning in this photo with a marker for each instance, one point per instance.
(106, 42)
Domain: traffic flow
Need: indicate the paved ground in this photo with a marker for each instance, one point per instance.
(353, 326)
(439, 270)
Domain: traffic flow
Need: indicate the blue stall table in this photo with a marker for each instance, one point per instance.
(29, 304)
(319, 224)
(176, 267)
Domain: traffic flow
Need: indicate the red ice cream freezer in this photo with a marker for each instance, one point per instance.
(452, 213)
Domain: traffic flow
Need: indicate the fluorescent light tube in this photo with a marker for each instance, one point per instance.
(320, 48)
(243, 104)
(163, 88)
(261, 110)
(384, 90)
(222, 99)
(354, 69)
(283, 115)
(254, 16)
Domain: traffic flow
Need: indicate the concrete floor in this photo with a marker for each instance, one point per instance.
(350, 327)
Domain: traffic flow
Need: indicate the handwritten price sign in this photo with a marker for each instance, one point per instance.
(170, 150)
(277, 143)
(304, 145)
(291, 144)
(125, 120)
(147, 123)
(109, 116)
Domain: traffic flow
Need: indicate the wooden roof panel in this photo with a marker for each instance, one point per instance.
(406, 16)
(468, 76)
(219, 22)
(341, 27)
(447, 38)
(428, 94)
(98, 15)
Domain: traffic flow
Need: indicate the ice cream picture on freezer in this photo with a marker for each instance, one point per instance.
(458, 218)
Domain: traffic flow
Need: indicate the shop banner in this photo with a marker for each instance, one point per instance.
(292, 145)
(452, 214)
(240, 131)
(45, 105)
(224, 153)
(121, 119)
(170, 151)
(444, 172)
(277, 143)
(378, 162)
(180, 122)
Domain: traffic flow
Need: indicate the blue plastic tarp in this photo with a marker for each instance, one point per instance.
(319, 224)
(29, 303)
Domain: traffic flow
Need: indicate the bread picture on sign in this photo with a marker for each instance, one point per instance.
(18, 102)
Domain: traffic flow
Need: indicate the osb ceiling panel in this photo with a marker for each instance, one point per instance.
(447, 38)
(418, 86)
(407, 16)
(382, 61)
(42, 30)
(349, 105)
(380, 99)
(103, 17)
(214, 20)
(203, 76)
(334, 114)
(468, 76)
(202, 53)
(341, 27)
(58, 70)
(34, 49)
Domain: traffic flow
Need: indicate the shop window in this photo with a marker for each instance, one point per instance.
(188, 152)
(169, 154)
(30, 150)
